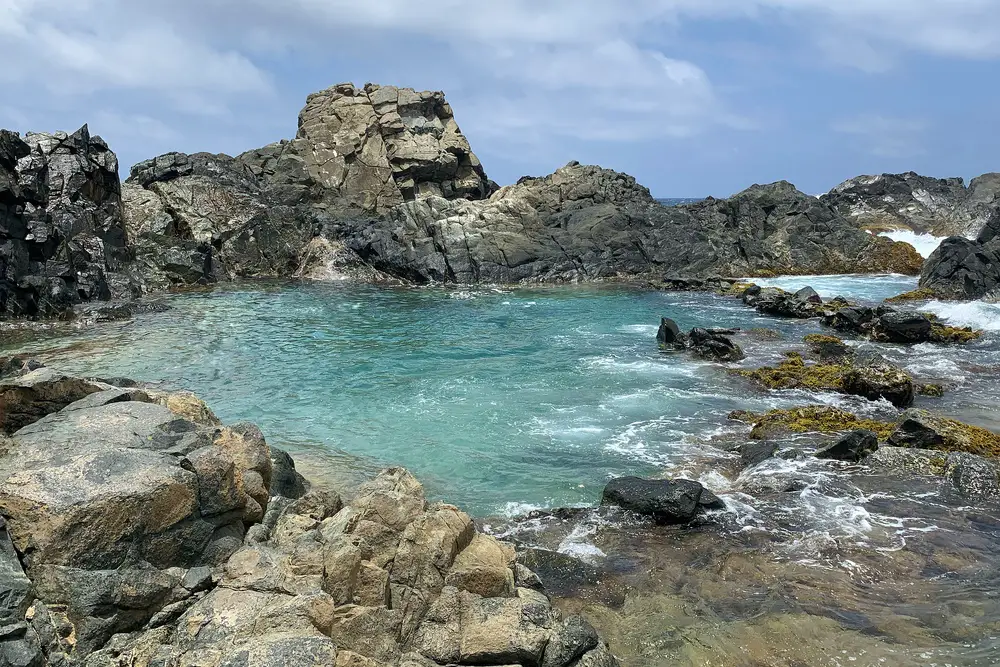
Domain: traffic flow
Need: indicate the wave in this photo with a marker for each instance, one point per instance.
(975, 314)
(924, 243)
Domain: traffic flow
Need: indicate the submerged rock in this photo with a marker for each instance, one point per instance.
(665, 501)
(853, 447)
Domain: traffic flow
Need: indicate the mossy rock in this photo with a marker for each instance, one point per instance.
(931, 390)
(924, 430)
(794, 373)
(736, 289)
(763, 334)
(941, 333)
(920, 294)
(809, 419)
(827, 347)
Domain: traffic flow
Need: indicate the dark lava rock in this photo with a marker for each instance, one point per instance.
(964, 269)
(756, 452)
(561, 574)
(285, 479)
(902, 327)
(916, 433)
(853, 319)
(852, 447)
(573, 638)
(803, 304)
(669, 334)
(714, 346)
(666, 501)
(876, 378)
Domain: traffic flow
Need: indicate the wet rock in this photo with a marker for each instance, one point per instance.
(714, 346)
(572, 639)
(922, 430)
(875, 378)
(973, 476)
(665, 501)
(803, 304)
(911, 459)
(669, 334)
(853, 447)
(902, 327)
(852, 319)
(285, 480)
(965, 269)
(756, 452)
(810, 419)
(827, 348)
(559, 573)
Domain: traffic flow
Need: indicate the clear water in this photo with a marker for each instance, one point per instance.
(499, 399)
(506, 400)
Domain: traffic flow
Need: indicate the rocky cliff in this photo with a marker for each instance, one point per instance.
(136, 529)
(62, 234)
(379, 185)
(942, 207)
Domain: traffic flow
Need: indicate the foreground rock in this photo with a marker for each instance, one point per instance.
(665, 501)
(938, 206)
(853, 447)
(202, 546)
(964, 269)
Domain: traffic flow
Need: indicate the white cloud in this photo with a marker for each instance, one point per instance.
(885, 137)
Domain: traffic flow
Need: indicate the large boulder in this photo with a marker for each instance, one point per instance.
(965, 269)
(666, 501)
(157, 487)
(939, 206)
(129, 511)
(62, 235)
(380, 146)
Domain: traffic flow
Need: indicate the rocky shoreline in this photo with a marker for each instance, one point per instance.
(380, 185)
(140, 530)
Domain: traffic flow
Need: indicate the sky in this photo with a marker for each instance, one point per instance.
(692, 97)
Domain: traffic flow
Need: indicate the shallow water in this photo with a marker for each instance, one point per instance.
(503, 401)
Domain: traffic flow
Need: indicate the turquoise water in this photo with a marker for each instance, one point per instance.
(500, 400)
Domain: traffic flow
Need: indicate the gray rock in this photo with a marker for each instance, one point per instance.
(574, 637)
(876, 379)
(62, 236)
(852, 447)
(964, 269)
(669, 333)
(904, 326)
(665, 501)
(942, 207)
(755, 452)
(973, 476)
(30, 396)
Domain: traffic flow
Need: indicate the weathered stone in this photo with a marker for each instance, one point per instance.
(852, 447)
(484, 567)
(572, 639)
(26, 398)
(666, 501)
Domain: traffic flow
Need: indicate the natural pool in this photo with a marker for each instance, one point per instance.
(506, 400)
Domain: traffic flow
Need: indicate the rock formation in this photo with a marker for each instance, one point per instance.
(964, 269)
(136, 529)
(62, 236)
(942, 207)
(379, 184)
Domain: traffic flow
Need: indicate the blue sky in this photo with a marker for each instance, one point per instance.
(693, 97)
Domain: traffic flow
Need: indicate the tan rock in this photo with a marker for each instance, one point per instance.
(484, 568)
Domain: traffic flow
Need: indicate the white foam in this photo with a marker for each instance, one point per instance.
(975, 314)
(924, 243)
(576, 544)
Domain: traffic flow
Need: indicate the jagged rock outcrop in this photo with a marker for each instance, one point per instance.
(62, 236)
(380, 146)
(938, 206)
(379, 184)
(135, 529)
(585, 223)
(965, 269)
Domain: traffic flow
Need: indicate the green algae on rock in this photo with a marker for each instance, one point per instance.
(924, 430)
(919, 294)
(809, 419)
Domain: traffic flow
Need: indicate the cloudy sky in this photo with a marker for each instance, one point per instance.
(693, 97)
